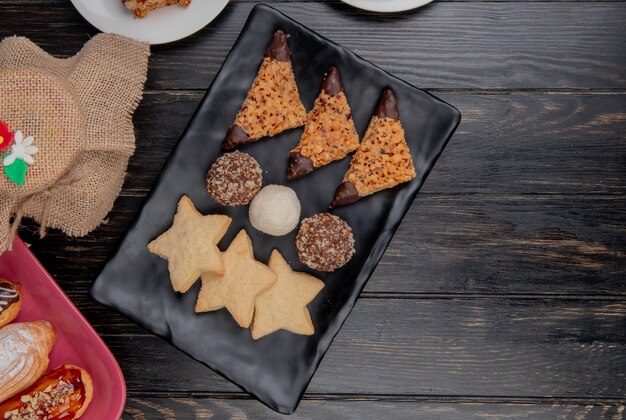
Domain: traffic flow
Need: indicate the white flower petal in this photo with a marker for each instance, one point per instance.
(9, 160)
(31, 150)
(27, 141)
(18, 137)
(28, 159)
(18, 150)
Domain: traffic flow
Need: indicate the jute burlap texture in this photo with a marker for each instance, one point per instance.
(79, 112)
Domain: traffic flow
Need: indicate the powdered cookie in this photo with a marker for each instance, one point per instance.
(283, 306)
(234, 179)
(383, 159)
(275, 210)
(243, 280)
(273, 104)
(190, 245)
(329, 133)
(324, 242)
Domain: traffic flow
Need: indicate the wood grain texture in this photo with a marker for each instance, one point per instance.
(446, 245)
(535, 143)
(194, 408)
(485, 234)
(506, 143)
(460, 347)
(507, 245)
(443, 45)
(503, 292)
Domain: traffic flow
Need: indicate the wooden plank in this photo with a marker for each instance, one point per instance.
(506, 143)
(535, 143)
(559, 143)
(444, 45)
(194, 408)
(446, 245)
(429, 347)
(480, 243)
(507, 245)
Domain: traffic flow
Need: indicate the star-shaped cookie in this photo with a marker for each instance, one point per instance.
(190, 245)
(243, 280)
(283, 306)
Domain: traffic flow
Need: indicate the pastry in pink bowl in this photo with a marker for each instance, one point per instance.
(51, 360)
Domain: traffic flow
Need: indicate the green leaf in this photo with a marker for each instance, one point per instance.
(16, 171)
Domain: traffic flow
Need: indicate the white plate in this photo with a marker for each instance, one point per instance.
(387, 5)
(163, 25)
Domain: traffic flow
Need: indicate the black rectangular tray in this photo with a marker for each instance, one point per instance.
(277, 368)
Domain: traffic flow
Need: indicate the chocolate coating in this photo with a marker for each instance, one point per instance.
(235, 137)
(9, 294)
(346, 193)
(278, 48)
(332, 82)
(298, 165)
(387, 105)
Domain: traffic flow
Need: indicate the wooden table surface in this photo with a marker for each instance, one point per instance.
(503, 292)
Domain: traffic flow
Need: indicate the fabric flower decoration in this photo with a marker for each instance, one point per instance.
(6, 137)
(17, 161)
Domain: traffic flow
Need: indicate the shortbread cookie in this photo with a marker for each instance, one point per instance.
(234, 179)
(324, 242)
(329, 133)
(243, 280)
(141, 8)
(10, 301)
(190, 245)
(383, 159)
(273, 103)
(283, 306)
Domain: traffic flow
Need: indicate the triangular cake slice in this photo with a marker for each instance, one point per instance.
(273, 104)
(383, 159)
(329, 133)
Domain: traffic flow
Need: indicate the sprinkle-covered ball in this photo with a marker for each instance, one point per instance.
(324, 242)
(234, 179)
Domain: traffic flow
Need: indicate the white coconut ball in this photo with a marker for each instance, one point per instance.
(275, 210)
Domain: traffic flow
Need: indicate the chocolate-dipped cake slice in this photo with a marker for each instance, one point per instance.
(273, 104)
(383, 159)
(329, 133)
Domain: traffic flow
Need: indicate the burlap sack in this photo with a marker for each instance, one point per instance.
(79, 113)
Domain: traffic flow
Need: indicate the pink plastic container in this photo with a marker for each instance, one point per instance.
(77, 342)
